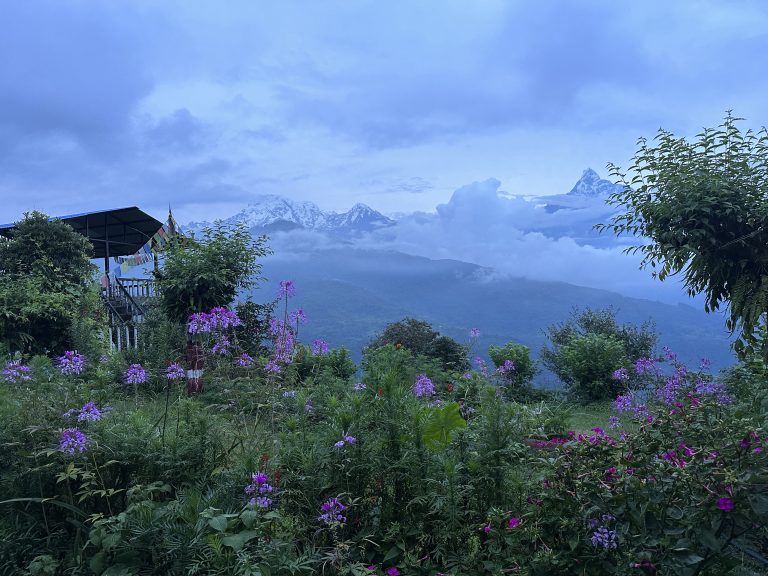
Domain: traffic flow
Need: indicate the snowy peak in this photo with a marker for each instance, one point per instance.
(270, 213)
(591, 185)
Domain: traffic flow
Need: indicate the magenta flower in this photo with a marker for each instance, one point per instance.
(725, 504)
(393, 572)
(486, 529)
(513, 523)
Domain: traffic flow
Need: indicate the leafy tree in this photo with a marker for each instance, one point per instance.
(200, 274)
(520, 356)
(586, 349)
(49, 250)
(45, 274)
(419, 338)
(702, 207)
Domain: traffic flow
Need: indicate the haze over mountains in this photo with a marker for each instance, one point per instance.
(508, 264)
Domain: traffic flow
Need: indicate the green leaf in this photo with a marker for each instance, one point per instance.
(218, 523)
(237, 541)
(441, 423)
(759, 503)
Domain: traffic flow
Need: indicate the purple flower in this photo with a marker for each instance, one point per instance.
(624, 403)
(244, 359)
(474, 333)
(174, 371)
(614, 422)
(481, 365)
(513, 523)
(350, 439)
(308, 408)
(272, 367)
(71, 363)
(423, 386)
(604, 537)
(714, 389)
(89, 413)
(135, 374)
(220, 318)
(706, 363)
(15, 372)
(620, 374)
(199, 323)
(506, 368)
(297, 317)
(359, 386)
(725, 504)
(339, 444)
(221, 346)
(668, 354)
(261, 502)
(393, 571)
(72, 440)
(486, 529)
(286, 289)
(289, 394)
(319, 347)
(332, 512)
(644, 365)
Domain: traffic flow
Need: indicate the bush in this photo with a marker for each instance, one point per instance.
(585, 351)
(421, 339)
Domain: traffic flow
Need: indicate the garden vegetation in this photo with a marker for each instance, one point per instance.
(430, 458)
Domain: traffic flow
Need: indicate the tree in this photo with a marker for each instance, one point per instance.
(525, 367)
(200, 274)
(419, 338)
(45, 270)
(702, 206)
(585, 350)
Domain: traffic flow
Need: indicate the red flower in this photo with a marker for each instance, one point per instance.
(450, 387)
(381, 392)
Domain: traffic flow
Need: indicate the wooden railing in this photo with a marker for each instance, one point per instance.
(137, 287)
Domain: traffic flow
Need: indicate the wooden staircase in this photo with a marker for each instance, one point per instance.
(125, 299)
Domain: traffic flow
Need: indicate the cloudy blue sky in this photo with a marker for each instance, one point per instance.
(203, 105)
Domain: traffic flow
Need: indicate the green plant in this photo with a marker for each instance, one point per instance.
(700, 207)
(584, 351)
(200, 274)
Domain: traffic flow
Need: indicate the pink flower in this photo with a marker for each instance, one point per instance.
(513, 523)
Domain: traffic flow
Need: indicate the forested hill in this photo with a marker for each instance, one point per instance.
(350, 294)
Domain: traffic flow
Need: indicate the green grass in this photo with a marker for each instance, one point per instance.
(584, 417)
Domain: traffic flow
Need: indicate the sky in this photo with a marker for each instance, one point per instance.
(397, 104)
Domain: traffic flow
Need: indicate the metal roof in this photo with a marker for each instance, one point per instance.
(122, 230)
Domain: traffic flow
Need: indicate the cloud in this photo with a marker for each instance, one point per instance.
(514, 236)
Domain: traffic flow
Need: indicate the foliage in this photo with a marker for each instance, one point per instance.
(254, 331)
(585, 350)
(519, 379)
(49, 250)
(702, 207)
(45, 275)
(200, 274)
(420, 338)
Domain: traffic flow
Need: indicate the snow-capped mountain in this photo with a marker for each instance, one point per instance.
(271, 213)
(591, 185)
